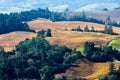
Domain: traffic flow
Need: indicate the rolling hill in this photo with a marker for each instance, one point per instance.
(73, 39)
(62, 35)
(9, 40)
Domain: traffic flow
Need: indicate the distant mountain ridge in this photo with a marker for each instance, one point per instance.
(59, 5)
(114, 15)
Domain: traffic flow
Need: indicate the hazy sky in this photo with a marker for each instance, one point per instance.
(59, 5)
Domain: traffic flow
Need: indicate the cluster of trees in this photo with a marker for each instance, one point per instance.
(36, 59)
(12, 22)
(100, 54)
(113, 74)
(77, 29)
(86, 29)
(107, 29)
(34, 14)
(43, 33)
(42, 13)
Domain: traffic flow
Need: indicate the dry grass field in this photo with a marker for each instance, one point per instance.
(45, 24)
(76, 39)
(8, 41)
(89, 70)
(71, 39)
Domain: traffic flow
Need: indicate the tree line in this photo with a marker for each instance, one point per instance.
(44, 33)
(12, 22)
(107, 29)
(61, 16)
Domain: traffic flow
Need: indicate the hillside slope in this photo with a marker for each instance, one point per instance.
(102, 15)
(61, 36)
(73, 39)
(9, 40)
(89, 70)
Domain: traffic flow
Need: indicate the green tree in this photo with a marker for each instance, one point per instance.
(88, 49)
(73, 29)
(112, 77)
(110, 30)
(108, 20)
(46, 73)
(48, 33)
(92, 29)
(111, 68)
(83, 15)
(86, 29)
(41, 33)
(79, 28)
(106, 28)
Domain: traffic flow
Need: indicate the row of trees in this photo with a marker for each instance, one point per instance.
(86, 29)
(107, 29)
(12, 22)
